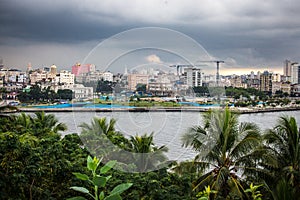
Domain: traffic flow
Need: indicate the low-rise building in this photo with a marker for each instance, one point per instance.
(295, 90)
(82, 92)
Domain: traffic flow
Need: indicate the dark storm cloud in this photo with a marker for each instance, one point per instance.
(250, 32)
(62, 25)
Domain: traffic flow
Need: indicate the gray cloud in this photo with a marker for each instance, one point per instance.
(252, 33)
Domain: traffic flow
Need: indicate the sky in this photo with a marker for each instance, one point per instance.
(249, 35)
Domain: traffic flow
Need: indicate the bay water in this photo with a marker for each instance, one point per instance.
(167, 127)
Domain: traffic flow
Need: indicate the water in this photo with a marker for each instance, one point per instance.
(167, 127)
(84, 105)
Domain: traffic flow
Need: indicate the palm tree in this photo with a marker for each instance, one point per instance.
(282, 145)
(22, 123)
(46, 124)
(101, 138)
(222, 145)
(147, 156)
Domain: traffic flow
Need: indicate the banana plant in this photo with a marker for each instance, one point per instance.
(98, 180)
(205, 194)
(255, 194)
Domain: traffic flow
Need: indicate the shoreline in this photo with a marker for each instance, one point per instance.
(158, 109)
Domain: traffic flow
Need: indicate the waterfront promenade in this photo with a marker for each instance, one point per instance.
(158, 109)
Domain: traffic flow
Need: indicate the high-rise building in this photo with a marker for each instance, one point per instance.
(287, 68)
(193, 77)
(1, 63)
(79, 68)
(266, 82)
(295, 73)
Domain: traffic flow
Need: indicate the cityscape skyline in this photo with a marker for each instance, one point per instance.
(246, 36)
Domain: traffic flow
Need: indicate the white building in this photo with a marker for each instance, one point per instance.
(65, 78)
(94, 76)
(295, 74)
(82, 92)
(108, 76)
(193, 77)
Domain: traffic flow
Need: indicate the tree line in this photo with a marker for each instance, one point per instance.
(37, 94)
(234, 160)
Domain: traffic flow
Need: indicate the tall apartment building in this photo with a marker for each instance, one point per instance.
(291, 71)
(295, 74)
(192, 77)
(266, 82)
(134, 79)
(79, 68)
(287, 68)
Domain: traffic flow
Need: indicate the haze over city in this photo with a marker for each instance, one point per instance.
(247, 35)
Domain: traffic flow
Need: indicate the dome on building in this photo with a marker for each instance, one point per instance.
(53, 66)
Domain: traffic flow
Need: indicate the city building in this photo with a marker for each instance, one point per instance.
(161, 85)
(38, 76)
(276, 77)
(53, 70)
(287, 68)
(291, 71)
(82, 92)
(134, 79)
(64, 78)
(238, 82)
(295, 90)
(95, 76)
(107, 76)
(266, 82)
(193, 77)
(79, 68)
(295, 73)
(280, 86)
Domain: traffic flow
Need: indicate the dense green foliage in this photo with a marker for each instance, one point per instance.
(236, 93)
(104, 86)
(35, 162)
(37, 94)
(235, 160)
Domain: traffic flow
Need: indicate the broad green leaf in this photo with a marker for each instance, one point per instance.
(203, 198)
(108, 166)
(81, 176)
(120, 188)
(100, 181)
(101, 196)
(248, 190)
(108, 177)
(77, 198)
(90, 163)
(113, 197)
(80, 189)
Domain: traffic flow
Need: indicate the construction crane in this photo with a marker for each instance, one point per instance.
(218, 68)
(180, 66)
